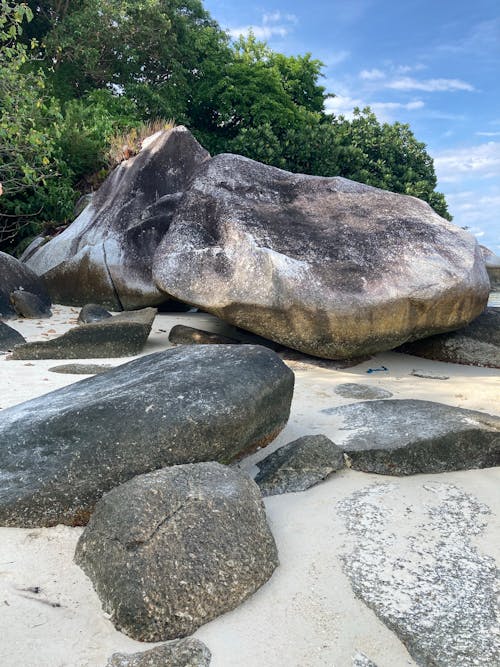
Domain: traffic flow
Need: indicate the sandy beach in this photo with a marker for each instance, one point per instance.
(307, 614)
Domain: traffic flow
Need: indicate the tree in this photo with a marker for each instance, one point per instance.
(27, 148)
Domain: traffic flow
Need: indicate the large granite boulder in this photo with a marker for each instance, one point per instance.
(171, 550)
(14, 276)
(123, 335)
(105, 255)
(60, 452)
(477, 344)
(327, 266)
(405, 437)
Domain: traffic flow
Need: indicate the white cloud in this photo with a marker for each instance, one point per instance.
(344, 105)
(484, 160)
(371, 74)
(272, 24)
(409, 106)
(429, 85)
(488, 134)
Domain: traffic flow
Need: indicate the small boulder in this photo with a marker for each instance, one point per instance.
(361, 391)
(174, 549)
(92, 312)
(123, 335)
(299, 465)
(81, 369)
(188, 652)
(405, 437)
(477, 344)
(182, 335)
(9, 337)
(29, 305)
(14, 275)
(493, 269)
(61, 451)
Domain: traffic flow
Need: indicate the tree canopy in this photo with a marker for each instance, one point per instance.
(74, 74)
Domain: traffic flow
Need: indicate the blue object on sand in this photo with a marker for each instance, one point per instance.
(374, 370)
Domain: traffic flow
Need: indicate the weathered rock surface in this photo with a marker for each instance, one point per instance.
(123, 335)
(183, 335)
(327, 266)
(299, 465)
(171, 550)
(426, 577)
(361, 660)
(361, 391)
(14, 275)
(189, 652)
(29, 305)
(477, 344)
(81, 369)
(92, 312)
(105, 255)
(493, 269)
(60, 452)
(9, 337)
(404, 437)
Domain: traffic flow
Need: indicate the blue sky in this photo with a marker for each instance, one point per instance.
(434, 65)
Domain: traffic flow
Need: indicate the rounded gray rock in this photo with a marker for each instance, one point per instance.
(327, 266)
(174, 549)
(14, 275)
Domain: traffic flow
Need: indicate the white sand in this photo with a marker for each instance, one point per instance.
(306, 615)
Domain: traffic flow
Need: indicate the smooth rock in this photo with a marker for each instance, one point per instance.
(361, 391)
(299, 465)
(29, 305)
(189, 652)
(327, 266)
(430, 579)
(174, 549)
(14, 275)
(105, 255)
(60, 452)
(183, 335)
(9, 337)
(405, 437)
(477, 344)
(81, 369)
(92, 312)
(123, 335)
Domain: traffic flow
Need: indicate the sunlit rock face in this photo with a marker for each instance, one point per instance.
(327, 266)
(105, 255)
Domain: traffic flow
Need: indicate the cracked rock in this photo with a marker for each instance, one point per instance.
(174, 549)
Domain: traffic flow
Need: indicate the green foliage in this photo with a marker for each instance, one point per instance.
(76, 77)
(28, 153)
